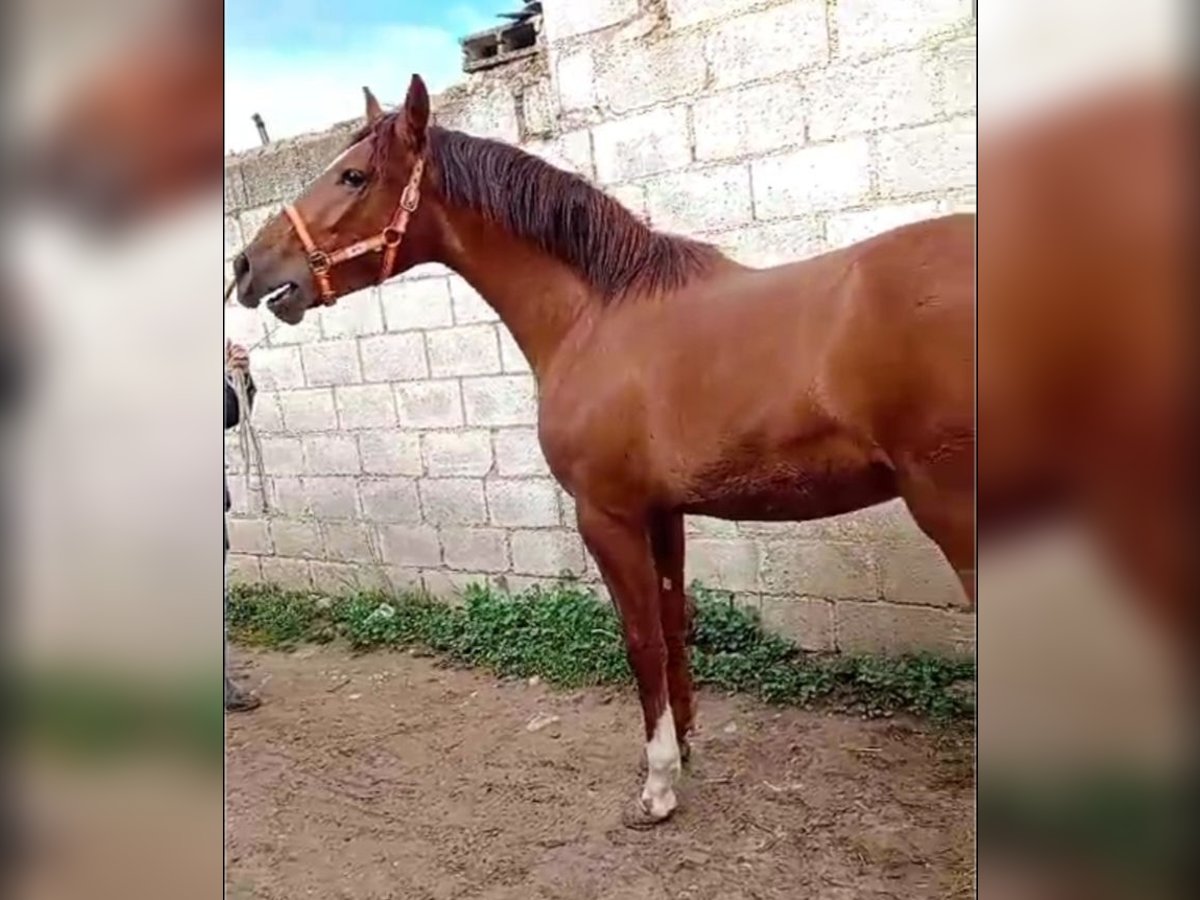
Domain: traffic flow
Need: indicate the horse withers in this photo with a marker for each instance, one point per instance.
(671, 379)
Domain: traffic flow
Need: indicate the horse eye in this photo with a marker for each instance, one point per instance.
(353, 178)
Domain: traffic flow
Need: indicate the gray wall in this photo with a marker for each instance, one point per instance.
(398, 427)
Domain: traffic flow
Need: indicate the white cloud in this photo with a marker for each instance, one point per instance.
(311, 90)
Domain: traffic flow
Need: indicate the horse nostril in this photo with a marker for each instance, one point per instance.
(241, 267)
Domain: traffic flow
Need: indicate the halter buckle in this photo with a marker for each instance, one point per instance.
(392, 236)
(318, 261)
(411, 198)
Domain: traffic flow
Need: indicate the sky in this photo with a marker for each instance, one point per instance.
(302, 64)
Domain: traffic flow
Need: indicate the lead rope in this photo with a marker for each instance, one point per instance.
(248, 440)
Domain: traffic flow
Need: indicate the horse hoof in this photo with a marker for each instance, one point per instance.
(638, 817)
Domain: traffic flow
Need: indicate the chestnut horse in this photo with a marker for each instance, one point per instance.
(671, 379)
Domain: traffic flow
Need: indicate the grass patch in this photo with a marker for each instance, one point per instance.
(570, 638)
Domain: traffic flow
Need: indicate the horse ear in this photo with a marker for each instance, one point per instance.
(416, 112)
(374, 110)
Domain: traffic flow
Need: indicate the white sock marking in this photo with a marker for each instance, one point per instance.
(663, 765)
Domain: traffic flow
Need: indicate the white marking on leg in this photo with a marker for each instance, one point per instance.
(662, 768)
(666, 584)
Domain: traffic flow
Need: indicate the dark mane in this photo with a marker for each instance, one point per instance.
(559, 212)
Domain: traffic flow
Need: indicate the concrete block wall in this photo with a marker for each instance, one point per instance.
(398, 428)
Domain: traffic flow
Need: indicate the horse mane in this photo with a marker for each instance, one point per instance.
(559, 212)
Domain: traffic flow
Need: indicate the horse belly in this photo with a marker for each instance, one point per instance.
(791, 491)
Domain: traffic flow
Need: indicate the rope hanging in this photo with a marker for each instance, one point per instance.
(248, 439)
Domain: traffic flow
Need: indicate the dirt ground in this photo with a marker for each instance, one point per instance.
(389, 776)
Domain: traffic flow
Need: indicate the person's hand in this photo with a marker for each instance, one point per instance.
(237, 358)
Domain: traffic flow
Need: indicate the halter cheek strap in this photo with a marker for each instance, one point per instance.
(388, 240)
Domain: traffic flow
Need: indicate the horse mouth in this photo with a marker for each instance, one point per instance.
(280, 301)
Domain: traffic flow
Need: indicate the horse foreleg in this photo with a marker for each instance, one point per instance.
(621, 547)
(942, 502)
(667, 542)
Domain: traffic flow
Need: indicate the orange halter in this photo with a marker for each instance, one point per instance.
(387, 240)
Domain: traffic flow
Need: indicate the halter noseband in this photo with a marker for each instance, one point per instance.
(388, 240)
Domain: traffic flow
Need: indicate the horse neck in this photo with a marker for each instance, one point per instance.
(538, 297)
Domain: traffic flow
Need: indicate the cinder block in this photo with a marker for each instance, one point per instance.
(825, 177)
(705, 527)
(645, 144)
(233, 237)
(764, 44)
(276, 368)
(294, 574)
(265, 412)
(487, 108)
(354, 315)
(429, 404)
(571, 152)
(452, 501)
(823, 569)
(287, 496)
(806, 621)
(249, 536)
(567, 20)
(469, 307)
(463, 350)
(331, 454)
(688, 12)
(916, 572)
(500, 400)
(390, 452)
(575, 80)
(773, 243)
(546, 552)
(410, 304)
(282, 455)
(927, 158)
(296, 539)
(749, 121)
(689, 202)
(306, 332)
(475, 549)
(243, 569)
(336, 578)
(727, 564)
(852, 98)
(873, 26)
(632, 197)
(348, 542)
(366, 406)
(244, 326)
(511, 356)
(394, 357)
(954, 65)
(311, 409)
(843, 229)
(235, 187)
(461, 453)
(409, 546)
(331, 497)
(525, 503)
(518, 453)
(390, 500)
(894, 629)
(331, 362)
(537, 115)
(634, 75)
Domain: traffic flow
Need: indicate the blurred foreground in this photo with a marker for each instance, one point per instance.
(113, 460)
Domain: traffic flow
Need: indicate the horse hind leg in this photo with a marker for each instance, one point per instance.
(678, 619)
(622, 550)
